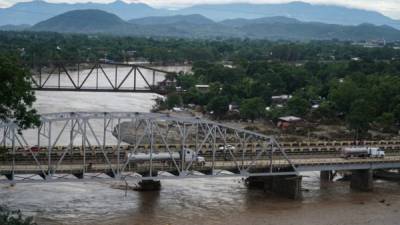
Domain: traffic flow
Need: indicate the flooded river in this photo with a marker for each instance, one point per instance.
(204, 201)
(190, 201)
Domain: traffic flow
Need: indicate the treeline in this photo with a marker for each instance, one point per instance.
(362, 94)
(45, 46)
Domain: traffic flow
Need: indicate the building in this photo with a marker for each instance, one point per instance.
(286, 122)
(203, 88)
(234, 107)
(280, 99)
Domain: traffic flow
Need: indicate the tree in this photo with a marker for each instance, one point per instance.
(298, 106)
(173, 99)
(386, 121)
(396, 113)
(16, 96)
(252, 108)
(343, 94)
(325, 111)
(219, 105)
(359, 118)
(186, 81)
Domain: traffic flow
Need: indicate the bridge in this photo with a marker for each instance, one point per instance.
(100, 77)
(85, 146)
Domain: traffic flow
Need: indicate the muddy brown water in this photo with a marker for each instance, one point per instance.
(204, 201)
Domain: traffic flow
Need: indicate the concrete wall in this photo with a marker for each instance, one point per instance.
(149, 185)
(362, 180)
(326, 176)
(287, 186)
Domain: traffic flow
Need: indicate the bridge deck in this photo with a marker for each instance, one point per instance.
(259, 168)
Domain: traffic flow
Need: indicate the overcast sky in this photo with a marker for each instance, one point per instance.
(388, 7)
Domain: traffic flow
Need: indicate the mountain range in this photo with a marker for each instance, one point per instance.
(198, 26)
(38, 10)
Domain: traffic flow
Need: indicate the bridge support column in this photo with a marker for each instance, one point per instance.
(326, 176)
(362, 180)
(287, 186)
(149, 185)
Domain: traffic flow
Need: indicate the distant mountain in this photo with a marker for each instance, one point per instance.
(316, 31)
(195, 19)
(189, 26)
(85, 21)
(265, 20)
(97, 21)
(197, 26)
(15, 27)
(298, 10)
(37, 11)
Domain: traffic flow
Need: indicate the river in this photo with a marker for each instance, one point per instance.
(190, 201)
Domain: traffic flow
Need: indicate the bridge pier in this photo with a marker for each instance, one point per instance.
(287, 186)
(362, 180)
(149, 185)
(326, 176)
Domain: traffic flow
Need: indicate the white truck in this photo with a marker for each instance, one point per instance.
(372, 152)
(188, 156)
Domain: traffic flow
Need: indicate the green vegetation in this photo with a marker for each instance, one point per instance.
(16, 97)
(330, 81)
(34, 47)
(362, 94)
(252, 108)
(13, 217)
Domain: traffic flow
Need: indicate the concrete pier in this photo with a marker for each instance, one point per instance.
(362, 180)
(326, 176)
(287, 186)
(149, 185)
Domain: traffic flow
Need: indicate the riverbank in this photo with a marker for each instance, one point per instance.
(311, 132)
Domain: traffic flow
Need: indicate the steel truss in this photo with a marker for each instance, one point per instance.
(35, 154)
(98, 77)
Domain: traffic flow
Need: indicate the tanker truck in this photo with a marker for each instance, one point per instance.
(372, 152)
(188, 156)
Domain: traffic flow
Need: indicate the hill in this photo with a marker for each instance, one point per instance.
(175, 19)
(297, 10)
(317, 31)
(265, 20)
(84, 21)
(10, 27)
(188, 26)
(38, 10)
(197, 26)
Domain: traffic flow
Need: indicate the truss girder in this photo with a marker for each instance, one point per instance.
(98, 77)
(83, 143)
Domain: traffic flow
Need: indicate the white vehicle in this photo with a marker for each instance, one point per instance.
(188, 156)
(372, 152)
(227, 147)
(177, 109)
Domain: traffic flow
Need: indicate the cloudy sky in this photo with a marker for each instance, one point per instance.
(388, 7)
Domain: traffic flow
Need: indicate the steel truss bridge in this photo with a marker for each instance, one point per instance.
(84, 146)
(99, 77)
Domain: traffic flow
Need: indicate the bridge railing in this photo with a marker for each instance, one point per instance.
(34, 151)
(100, 77)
